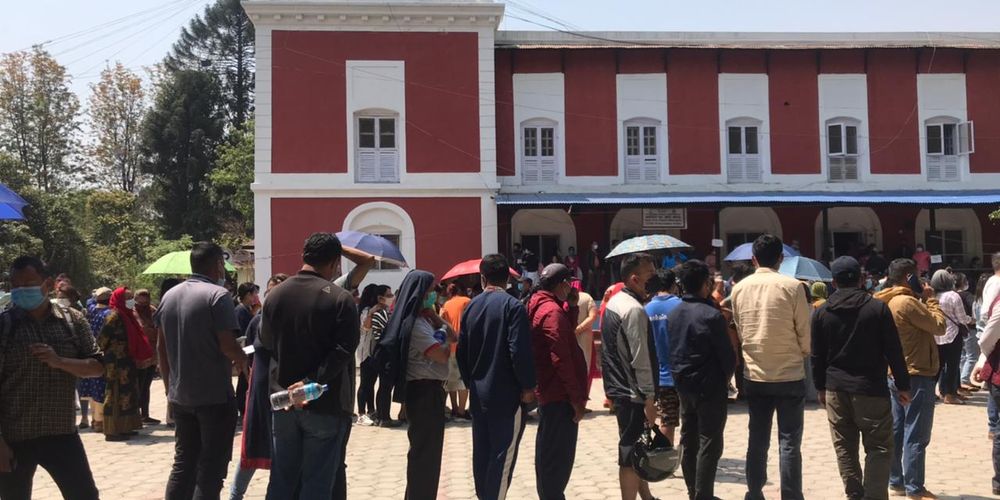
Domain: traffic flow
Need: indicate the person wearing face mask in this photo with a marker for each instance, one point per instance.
(573, 262)
(92, 389)
(196, 358)
(144, 315)
(43, 351)
(451, 311)
(372, 301)
(593, 270)
(629, 366)
(126, 352)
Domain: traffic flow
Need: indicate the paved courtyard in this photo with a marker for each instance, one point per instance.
(958, 463)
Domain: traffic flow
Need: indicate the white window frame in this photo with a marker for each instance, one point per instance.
(386, 159)
(941, 165)
(840, 163)
(739, 163)
(539, 168)
(641, 165)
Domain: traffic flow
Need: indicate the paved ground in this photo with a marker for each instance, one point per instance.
(958, 465)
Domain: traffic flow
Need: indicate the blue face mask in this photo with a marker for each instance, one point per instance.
(27, 298)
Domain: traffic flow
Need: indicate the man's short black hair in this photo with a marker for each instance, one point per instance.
(631, 263)
(321, 249)
(740, 271)
(899, 269)
(205, 255)
(662, 281)
(767, 250)
(246, 289)
(25, 261)
(693, 275)
(495, 269)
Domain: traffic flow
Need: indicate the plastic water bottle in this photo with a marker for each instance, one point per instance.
(286, 399)
(440, 336)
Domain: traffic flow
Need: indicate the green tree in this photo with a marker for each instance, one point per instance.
(117, 108)
(38, 117)
(230, 181)
(118, 235)
(221, 41)
(180, 137)
(54, 220)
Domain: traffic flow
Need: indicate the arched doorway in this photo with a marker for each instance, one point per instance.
(546, 232)
(851, 229)
(739, 225)
(392, 223)
(958, 235)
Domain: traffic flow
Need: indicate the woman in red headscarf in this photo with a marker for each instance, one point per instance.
(125, 351)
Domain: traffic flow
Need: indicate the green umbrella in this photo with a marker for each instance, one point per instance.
(176, 263)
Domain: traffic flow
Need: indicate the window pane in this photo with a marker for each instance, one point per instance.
(548, 141)
(632, 141)
(949, 139)
(394, 239)
(933, 139)
(835, 139)
(852, 140)
(366, 132)
(387, 133)
(735, 142)
(531, 142)
(649, 141)
(751, 133)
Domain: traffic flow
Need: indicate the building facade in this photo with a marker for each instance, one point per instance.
(422, 122)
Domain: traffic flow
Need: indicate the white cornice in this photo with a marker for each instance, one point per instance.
(435, 15)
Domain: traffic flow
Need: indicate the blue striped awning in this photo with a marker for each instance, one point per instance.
(928, 198)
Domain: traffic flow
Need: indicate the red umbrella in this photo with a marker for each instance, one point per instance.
(469, 267)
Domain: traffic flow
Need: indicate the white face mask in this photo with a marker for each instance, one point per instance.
(130, 304)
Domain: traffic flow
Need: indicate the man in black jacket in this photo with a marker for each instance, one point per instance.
(702, 360)
(854, 340)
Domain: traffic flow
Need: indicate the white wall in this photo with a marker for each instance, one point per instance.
(643, 96)
(850, 219)
(941, 95)
(376, 85)
(748, 220)
(745, 95)
(539, 95)
(963, 219)
(844, 96)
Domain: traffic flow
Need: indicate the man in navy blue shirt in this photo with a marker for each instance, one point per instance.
(663, 286)
(702, 360)
(495, 360)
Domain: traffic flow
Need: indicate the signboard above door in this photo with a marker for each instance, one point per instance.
(664, 218)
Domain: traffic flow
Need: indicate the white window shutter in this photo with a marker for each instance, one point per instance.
(651, 168)
(966, 138)
(735, 169)
(837, 168)
(547, 170)
(633, 168)
(949, 168)
(752, 168)
(388, 165)
(851, 168)
(367, 165)
(530, 170)
(934, 167)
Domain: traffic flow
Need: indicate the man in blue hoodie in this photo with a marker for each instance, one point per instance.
(495, 360)
(663, 286)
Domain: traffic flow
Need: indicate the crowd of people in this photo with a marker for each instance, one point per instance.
(678, 342)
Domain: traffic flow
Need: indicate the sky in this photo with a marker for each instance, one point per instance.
(85, 36)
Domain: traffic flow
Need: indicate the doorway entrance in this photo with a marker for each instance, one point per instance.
(847, 243)
(542, 245)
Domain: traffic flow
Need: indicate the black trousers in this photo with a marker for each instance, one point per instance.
(203, 446)
(950, 376)
(383, 398)
(425, 412)
(703, 423)
(63, 457)
(145, 384)
(555, 449)
(366, 388)
(242, 386)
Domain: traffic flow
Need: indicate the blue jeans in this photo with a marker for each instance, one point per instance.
(788, 400)
(241, 481)
(911, 426)
(308, 451)
(992, 416)
(970, 354)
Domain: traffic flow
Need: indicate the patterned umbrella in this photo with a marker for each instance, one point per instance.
(745, 252)
(11, 204)
(647, 243)
(804, 268)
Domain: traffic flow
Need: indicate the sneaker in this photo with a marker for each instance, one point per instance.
(923, 495)
(897, 491)
(390, 423)
(150, 421)
(365, 420)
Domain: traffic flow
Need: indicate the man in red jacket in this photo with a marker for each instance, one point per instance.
(562, 380)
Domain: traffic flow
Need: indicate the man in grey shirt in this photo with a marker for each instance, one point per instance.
(197, 351)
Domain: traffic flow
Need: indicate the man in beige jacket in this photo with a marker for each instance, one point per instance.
(772, 318)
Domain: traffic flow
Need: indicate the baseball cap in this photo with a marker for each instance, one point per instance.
(554, 273)
(846, 268)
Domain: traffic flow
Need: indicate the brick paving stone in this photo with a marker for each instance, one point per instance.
(958, 461)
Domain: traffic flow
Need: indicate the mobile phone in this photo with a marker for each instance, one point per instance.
(915, 284)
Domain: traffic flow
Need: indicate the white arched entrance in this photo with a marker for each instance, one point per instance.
(849, 226)
(738, 225)
(959, 235)
(392, 222)
(544, 231)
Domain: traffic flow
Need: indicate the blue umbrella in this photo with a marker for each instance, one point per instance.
(10, 204)
(745, 252)
(378, 246)
(647, 243)
(804, 268)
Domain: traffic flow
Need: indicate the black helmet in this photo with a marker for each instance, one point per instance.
(653, 457)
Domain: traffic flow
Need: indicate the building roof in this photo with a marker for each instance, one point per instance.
(743, 40)
(928, 198)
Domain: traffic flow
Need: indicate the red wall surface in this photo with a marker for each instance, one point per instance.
(982, 81)
(743, 61)
(841, 61)
(504, 75)
(934, 60)
(538, 61)
(591, 113)
(693, 112)
(309, 98)
(631, 61)
(793, 94)
(892, 113)
(440, 243)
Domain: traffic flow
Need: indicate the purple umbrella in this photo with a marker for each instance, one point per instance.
(378, 246)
